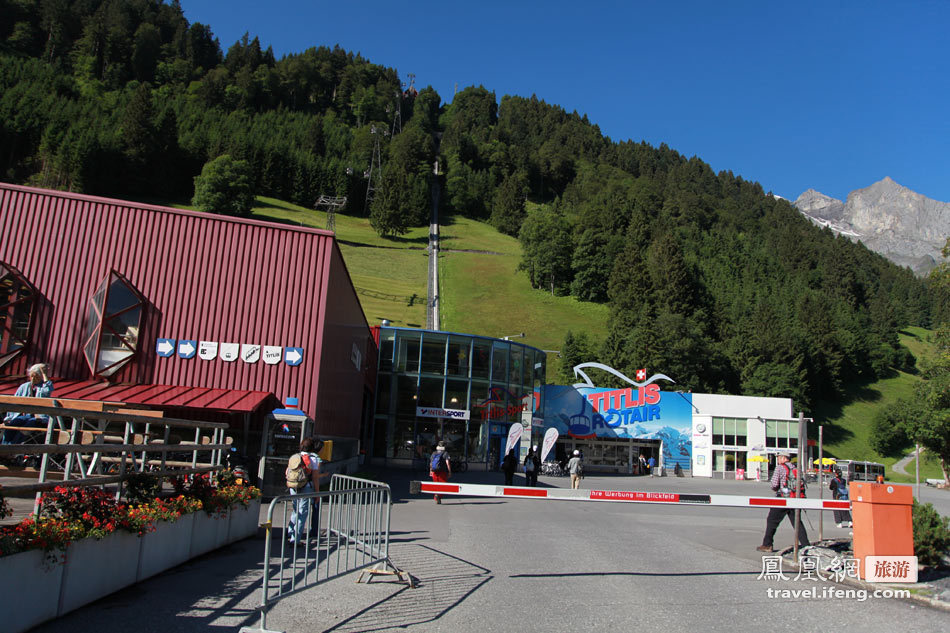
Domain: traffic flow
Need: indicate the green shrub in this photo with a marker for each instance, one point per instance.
(931, 534)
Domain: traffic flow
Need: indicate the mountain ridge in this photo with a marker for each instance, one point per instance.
(904, 226)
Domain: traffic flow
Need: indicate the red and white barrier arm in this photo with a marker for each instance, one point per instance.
(623, 496)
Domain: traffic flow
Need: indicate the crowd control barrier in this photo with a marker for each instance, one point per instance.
(347, 531)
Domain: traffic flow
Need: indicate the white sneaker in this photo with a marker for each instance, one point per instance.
(840, 525)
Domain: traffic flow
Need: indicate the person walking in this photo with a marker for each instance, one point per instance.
(303, 477)
(440, 467)
(839, 491)
(508, 466)
(576, 469)
(643, 465)
(780, 484)
(651, 465)
(532, 466)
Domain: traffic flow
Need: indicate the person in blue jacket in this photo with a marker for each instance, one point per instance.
(38, 386)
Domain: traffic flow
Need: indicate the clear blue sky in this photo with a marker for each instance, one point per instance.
(795, 95)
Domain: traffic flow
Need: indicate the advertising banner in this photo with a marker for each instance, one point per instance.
(550, 438)
(514, 435)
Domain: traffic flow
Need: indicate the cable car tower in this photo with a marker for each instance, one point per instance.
(375, 166)
(331, 204)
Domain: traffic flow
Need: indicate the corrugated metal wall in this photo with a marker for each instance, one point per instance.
(206, 278)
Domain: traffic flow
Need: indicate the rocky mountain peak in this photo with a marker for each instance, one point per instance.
(908, 228)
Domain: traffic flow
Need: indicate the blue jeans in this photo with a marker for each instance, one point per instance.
(18, 437)
(297, 525)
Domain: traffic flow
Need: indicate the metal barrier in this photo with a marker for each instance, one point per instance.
(347, 529)
(105, 445)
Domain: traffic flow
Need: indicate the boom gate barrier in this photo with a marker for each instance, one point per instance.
(347, 530)
(625, 496)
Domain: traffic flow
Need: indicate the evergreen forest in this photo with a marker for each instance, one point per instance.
(708, 278)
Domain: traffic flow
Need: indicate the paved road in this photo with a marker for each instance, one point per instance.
(489, 565)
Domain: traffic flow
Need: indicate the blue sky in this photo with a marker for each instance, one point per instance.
(795, 95)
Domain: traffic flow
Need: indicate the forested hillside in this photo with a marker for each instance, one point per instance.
(708, 278)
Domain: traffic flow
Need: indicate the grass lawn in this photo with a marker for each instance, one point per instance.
(848, 424)
(483, 293)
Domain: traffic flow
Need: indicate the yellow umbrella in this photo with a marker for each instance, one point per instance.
(758, 458)
(826, 461)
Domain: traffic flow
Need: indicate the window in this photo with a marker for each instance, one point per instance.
(781, 434)
(407, 352)
(729, 432)
(387, 339)
(433, 353)
(481, 359)
(17, 299)
(113, 325)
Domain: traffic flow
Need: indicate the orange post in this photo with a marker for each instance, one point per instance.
(883, 524)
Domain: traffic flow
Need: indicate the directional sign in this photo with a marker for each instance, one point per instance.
(187, 349)
(230, 351)
(293, 356)
(165, 347)
(250, 353)
(272, 354)
(207, 350)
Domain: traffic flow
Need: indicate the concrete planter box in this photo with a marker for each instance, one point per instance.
(243, 521)
(96, 568)
(169, 545)
(210, 532)
(30, 589)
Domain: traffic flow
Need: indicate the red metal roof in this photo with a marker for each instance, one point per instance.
(158, 396)
(204, 278)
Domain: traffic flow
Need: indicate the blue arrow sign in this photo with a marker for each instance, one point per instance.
(165, 347)
(293, 356)
(187, 349)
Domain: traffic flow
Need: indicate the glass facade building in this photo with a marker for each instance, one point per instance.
(465, 390)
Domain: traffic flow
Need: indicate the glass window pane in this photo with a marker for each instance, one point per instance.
(430, 392)
(387, 343)
(453, 434)
(477, 440)
(122, 331)
(458, 356)
(499, 362)
(120, 296)
(516, 364)
(109, 357)
(402, 434)
(456, 394)
(717, 426)
(719, 461)
(407, 352)
(384, 389)
(481, 359)
(406, 396)
(729, 427)
(433, 353)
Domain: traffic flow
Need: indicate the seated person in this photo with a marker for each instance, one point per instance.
(39, 386)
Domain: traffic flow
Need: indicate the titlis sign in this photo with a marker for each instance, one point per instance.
(619, 407)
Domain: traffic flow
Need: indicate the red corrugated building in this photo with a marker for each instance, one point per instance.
(180, 309)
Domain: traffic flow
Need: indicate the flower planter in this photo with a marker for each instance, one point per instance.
(96, 568)
(169, 545)
(210, 532)
(26, 579)
(244, 522)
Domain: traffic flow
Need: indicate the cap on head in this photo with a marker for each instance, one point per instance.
(576, 452)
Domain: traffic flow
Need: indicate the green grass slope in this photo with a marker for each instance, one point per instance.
(483, 293)
(848, 424)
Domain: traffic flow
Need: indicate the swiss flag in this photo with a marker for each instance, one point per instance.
(641, 374)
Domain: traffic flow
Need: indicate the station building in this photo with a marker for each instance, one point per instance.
(463, 389)
(204, 316)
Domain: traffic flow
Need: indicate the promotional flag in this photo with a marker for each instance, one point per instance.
(549, 439)
(514, 435)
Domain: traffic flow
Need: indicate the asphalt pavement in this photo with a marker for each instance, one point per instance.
(487, 564)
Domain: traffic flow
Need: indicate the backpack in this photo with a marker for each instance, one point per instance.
(298, 471)
(529, 465)
(842, 488)
(438, 462)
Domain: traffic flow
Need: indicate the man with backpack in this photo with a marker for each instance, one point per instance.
(303, 476)
(440, 468)
(839, 490)
(781, 483)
